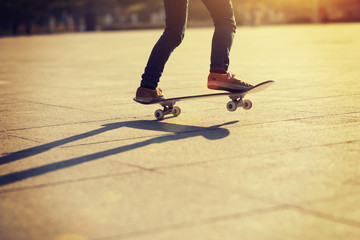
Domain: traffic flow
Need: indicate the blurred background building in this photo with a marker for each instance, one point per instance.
(19, 17)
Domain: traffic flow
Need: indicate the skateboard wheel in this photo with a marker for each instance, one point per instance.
(176, 111)
(159, 114)
(247, 104)
(231, 106)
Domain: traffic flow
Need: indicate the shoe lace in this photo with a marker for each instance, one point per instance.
(232, 76)
(159, 91)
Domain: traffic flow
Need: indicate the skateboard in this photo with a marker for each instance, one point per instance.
(237, 100)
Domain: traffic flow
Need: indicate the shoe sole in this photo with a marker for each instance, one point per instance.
(226, 86)
(147, 100)
(143, 100)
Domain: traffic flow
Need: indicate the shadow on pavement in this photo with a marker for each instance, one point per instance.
(177, 131)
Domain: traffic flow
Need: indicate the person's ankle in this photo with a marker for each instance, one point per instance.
(221, 71)
(148, 87)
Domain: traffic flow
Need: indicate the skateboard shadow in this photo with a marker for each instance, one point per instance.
(175, 132)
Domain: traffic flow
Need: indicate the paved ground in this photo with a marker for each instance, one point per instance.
(80, 160)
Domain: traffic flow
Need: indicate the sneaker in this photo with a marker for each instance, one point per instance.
(227, 82)
(146, 95)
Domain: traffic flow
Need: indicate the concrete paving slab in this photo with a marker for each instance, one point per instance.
(344, 210)
(287, 177)
(100, 207)
(289, 223)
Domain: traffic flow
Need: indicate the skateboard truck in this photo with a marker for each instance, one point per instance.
(237, 101)
(168, 108)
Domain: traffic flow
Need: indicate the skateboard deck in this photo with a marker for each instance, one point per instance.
(237, 100)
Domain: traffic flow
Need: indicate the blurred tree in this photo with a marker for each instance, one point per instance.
(14, 13)
(22, 15)
(143, 8)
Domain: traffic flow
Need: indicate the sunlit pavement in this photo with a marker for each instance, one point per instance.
(81, 160)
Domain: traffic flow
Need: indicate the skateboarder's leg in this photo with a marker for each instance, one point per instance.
(222, 14)
(176, 17)
(219, 78)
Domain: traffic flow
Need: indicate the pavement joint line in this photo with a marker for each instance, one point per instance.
(58, 106)
(325, 199)
(247, 156)
(61, 124)
(200, 222)
(300, 148)
(327, 144)
(250, 195)
(287, 109)
(44, 185)
(216, 160)
(326, 216)
(297, 206)
(24, 138)
(321, 116)
(324, 97)
(229, 217)
(103, 120)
